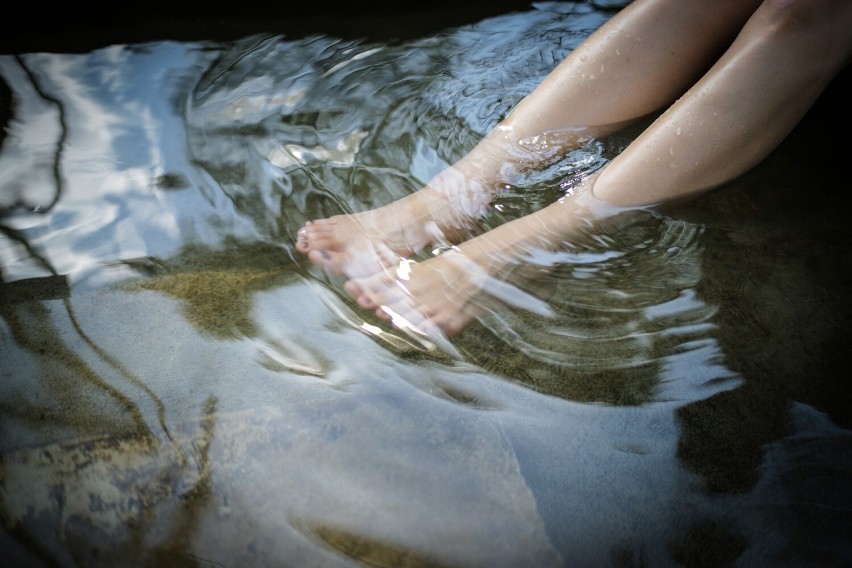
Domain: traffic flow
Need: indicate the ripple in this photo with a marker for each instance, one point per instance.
(621, 303)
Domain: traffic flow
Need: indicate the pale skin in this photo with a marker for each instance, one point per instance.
(734, 77)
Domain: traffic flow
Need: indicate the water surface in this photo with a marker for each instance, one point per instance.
(180, 386)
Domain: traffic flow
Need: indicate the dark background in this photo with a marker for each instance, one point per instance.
(83, 26)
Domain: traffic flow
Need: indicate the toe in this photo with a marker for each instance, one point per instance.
(324, 260)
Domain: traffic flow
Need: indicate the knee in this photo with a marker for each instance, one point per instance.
(827, 22)
(793, 16)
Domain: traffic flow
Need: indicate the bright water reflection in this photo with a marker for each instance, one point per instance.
(179, 386)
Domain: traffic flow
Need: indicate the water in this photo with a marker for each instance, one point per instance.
(179, 386)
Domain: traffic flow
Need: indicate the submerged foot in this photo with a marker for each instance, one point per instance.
(441, 296)
(444, 294)
(443, 212)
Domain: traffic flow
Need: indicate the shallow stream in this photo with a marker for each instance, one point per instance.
(179, 386)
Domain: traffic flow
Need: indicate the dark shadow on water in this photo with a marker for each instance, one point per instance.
(787, 222)
(87, 25)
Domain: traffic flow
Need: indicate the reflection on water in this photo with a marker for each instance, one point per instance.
(179, 386)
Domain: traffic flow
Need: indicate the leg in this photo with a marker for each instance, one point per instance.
(733, 117)
(741, 109)
(639, 61)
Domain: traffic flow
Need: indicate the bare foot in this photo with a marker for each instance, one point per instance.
(442, 295)
(443, 212)
(439, 296)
